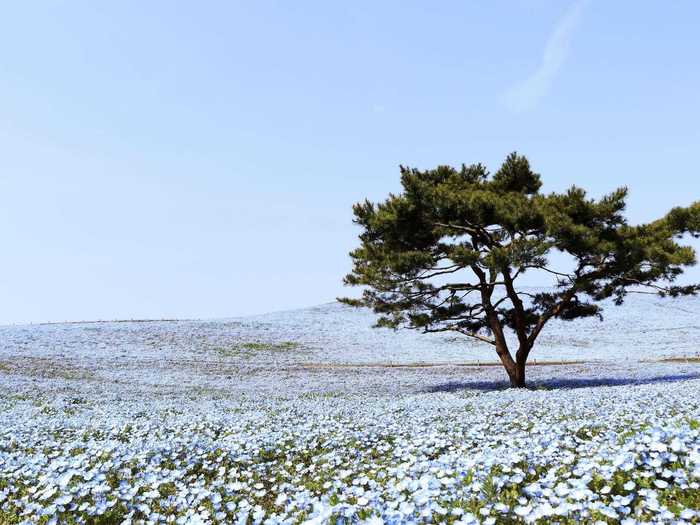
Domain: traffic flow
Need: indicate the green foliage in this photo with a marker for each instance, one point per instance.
(270, 347)
(446, 253)
(251, 348)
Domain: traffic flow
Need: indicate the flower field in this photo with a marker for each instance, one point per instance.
(244, 422)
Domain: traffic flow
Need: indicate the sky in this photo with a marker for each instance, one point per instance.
(200, 159)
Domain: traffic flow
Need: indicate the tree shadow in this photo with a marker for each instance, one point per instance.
(559, 383)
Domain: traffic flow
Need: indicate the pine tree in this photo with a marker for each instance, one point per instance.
(447, 252)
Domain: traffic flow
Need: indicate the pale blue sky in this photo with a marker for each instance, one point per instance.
(199, 159)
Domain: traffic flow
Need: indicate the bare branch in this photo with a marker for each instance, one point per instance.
(528, 294)
(478, 337)
(560, 274)
(467, 229)
(548, 315)
(648, 285)
(461, 331)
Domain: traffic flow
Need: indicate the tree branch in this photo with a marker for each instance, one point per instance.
(560, 274)
(520, 328)
(461, 331)
(548, 315)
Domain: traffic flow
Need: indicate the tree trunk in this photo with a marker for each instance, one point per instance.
(506, 360)
(517, 378)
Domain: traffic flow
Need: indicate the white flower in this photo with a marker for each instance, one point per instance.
(561, 490)
(406, 508)
(658, 447)
(48, 493)
(523, 510)
(63, 500)
(65, 479)
(660, 483)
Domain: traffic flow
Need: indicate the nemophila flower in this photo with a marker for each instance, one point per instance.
(63, 500)
(660, 483)
(167, 468)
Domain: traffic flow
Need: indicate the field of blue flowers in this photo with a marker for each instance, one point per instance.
(290, 418)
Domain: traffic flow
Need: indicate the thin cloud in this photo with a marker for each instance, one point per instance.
(527, 94)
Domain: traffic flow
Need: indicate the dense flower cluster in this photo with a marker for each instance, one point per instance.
(607, 454)
(227, 422)
(646, 327)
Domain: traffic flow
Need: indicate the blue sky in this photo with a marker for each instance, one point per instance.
(199, 159)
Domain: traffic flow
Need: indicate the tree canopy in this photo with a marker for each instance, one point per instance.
(447, 252)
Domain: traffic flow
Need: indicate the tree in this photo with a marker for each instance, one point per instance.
(446, 253)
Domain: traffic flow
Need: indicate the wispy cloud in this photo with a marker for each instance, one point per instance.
(525, 95)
